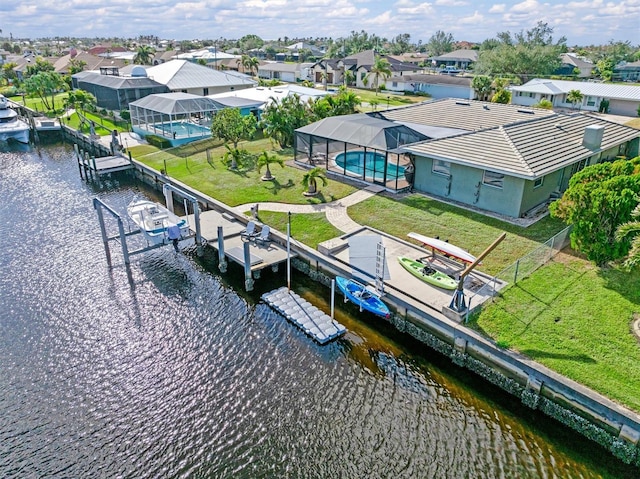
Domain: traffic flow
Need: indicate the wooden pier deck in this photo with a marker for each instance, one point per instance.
(265, 255)
(104, 165)
(303, 314)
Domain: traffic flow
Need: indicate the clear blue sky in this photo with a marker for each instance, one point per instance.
(581, 22)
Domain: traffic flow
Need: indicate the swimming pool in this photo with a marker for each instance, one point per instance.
(370, 163)
(182, 129)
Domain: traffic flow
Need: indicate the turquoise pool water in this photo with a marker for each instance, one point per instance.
(182, 129)
(371, 164)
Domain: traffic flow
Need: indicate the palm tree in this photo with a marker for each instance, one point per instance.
(574, 97)
(144, 55)
(631, 230)
(265, 159)
(249, 63)
(310, 180)
(349, 77)
(236, 157)
(381, 68)
(481, 84)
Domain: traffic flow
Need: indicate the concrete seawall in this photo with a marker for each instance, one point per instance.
(614, 427)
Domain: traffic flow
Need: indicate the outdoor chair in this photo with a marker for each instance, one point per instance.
(250, 232)
(263, 237)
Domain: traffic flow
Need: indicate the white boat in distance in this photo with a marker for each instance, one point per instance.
(157, 223)
(11, 127)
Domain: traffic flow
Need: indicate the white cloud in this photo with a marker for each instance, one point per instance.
(419, 9)
(498, 8)
(474, 19)
(451, 3)
(528, 6)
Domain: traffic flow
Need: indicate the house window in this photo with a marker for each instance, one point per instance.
(205, 91)
(440, 167)
(538, 182)
(491, 178)
(362, 75)
(591, 101)
(394, 84)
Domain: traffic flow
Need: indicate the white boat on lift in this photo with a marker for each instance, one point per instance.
(157, 223)
(11, 127)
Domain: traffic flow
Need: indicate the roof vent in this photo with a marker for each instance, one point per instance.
(528, 112)
(592, 138)
(466, 103)
(486, 107)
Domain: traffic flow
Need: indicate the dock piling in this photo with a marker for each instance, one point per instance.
(222, 259)
(248, 280)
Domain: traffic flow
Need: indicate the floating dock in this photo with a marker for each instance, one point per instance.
(302, 313)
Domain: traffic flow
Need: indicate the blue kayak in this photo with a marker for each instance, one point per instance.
(358, 294)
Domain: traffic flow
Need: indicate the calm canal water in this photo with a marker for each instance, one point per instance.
(173, 371)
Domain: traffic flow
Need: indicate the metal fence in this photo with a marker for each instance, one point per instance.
(523, 267)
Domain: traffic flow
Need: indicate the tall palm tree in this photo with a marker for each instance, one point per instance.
(253, 64)
(631, 230)
(243, 62)
(265, 159)
(144, 55)
(381, 68)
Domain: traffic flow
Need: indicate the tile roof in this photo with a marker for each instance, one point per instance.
(526, 149)
(467, 115)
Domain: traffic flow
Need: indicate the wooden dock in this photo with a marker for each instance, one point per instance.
(102, 165)
(269, 254)
(303, 314)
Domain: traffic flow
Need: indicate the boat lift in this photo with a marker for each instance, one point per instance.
(458, 303)
(167, 189)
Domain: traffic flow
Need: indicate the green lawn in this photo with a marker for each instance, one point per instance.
(189, 164)
(576, 319)
(36, 103)
(103, 126)
(309, 229)
(469, 230)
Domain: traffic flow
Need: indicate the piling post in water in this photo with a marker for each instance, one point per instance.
(222, 259)
(168, 197)
(123, 241)
(103, 231)
(87, 168)
(248, 280)
(333, 297)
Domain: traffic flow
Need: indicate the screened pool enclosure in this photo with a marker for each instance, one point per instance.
(359, 146)
(179, 117)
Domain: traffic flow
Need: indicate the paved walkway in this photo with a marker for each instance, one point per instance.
(336, 211)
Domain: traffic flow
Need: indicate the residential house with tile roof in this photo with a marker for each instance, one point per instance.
(359, 64)
(503, 159)
(461, 59)
(515, 168)
(116, 91)
(627, 72)
(571, 64)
